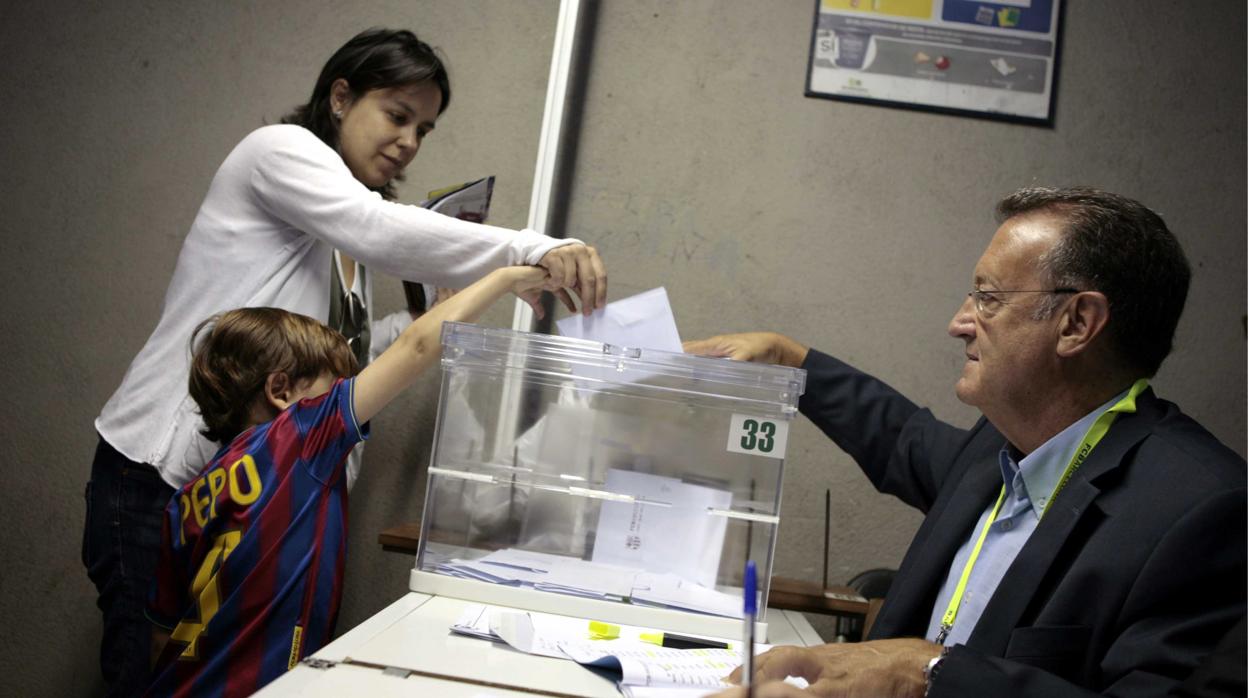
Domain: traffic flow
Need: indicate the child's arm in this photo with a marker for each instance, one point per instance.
(420, 344)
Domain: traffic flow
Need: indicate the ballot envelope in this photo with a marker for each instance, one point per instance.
(625, 485)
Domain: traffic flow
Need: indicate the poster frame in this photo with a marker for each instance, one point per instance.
(980, 113)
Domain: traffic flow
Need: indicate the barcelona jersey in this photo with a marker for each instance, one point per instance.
(252, 553)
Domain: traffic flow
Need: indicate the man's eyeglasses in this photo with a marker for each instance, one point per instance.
(987, 302)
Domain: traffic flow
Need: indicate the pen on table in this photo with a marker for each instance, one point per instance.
(751, 606)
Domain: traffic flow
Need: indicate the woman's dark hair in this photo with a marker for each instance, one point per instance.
(374, 59)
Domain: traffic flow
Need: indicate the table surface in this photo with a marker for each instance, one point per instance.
(408, 647)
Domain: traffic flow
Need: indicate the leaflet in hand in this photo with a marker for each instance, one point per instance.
(469, 201)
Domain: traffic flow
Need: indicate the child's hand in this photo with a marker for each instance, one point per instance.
(527, 283)
(525, 279)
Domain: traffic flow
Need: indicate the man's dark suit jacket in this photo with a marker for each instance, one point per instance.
(1134, 573)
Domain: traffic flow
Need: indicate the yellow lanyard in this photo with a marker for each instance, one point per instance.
(1097, 432)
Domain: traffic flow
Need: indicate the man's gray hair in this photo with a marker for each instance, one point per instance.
(1121, 248)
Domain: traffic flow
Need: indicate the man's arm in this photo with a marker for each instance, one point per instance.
(419, 345)
(904, 450)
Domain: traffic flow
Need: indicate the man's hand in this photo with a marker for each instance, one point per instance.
(579, 268)
(759, 347)
(876, 669)
(771, 689)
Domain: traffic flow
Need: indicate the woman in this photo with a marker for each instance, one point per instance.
(283, 200)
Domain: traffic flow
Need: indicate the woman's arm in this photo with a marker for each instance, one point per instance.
(299, 180)
(420, 344)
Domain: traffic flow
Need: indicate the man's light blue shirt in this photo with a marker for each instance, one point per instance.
(1028, 485)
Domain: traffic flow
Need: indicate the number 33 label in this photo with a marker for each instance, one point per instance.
(760, 436)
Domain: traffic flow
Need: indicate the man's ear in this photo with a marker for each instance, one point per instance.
(1082, 321)
(279, 391)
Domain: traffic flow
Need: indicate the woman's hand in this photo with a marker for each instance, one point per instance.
(577, 267)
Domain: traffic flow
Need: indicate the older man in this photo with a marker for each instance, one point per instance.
(1085, 537)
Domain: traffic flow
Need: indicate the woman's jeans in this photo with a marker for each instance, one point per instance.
(120, 542)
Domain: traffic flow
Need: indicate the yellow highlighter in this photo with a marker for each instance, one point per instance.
(682, 642)
(599, 630)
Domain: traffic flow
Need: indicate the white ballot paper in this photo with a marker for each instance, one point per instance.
(645, 670)
(672, 591)
(641, 664)
(642, 321)
(668, 530)
(638, 663)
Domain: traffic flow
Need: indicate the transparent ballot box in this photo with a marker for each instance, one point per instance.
(624, 485)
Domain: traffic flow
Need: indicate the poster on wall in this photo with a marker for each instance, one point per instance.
(994, 59)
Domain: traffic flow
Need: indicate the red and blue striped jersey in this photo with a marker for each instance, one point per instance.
(250, 572)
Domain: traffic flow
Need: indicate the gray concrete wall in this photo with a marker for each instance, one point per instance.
(701, 167)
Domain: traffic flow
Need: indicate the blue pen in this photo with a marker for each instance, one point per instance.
(751, 608)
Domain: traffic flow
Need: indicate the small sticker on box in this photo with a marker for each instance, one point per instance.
(758, 436)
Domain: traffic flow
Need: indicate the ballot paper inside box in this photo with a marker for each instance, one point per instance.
(629, 485)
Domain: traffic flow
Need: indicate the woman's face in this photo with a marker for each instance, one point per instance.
(380, 131)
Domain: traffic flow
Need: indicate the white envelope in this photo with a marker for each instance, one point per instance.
(643, 321)
(672, 534)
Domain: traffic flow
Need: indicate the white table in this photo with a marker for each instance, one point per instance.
(407, 649)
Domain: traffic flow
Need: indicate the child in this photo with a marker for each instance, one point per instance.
(252, 550)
